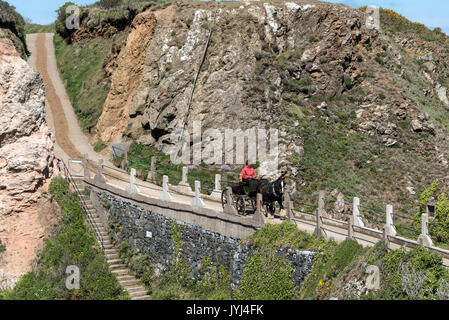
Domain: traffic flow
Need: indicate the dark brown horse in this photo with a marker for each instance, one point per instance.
(273, 192)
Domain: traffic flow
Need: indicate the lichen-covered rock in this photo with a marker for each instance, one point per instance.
(26, 145)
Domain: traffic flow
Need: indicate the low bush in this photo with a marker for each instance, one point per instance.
(267, 276)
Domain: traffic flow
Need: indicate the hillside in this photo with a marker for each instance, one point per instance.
(359, 111)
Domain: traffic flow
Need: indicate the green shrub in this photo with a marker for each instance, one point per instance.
(417, 274)
(284, 234)
(267, 276)
(2, 247)
(99, 146)
(328, 265)
(107, 4)
(10, 19)
(37, 28)
(59, 189)
(423, 200)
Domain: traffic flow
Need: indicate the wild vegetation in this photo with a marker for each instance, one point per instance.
(38, 28)
(268, 275)
(341, 272)
(74, 245)
(80, 65)
(15, 23)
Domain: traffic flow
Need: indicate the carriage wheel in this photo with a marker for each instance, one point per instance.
(224, 200)
(241, 206)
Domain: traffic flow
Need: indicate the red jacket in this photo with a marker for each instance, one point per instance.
(248, 173)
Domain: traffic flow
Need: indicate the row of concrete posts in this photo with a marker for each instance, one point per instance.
(355, 219)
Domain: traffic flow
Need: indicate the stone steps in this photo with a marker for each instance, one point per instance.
(128, 283)
(118, 269)
(142, 298)
(117, 266)
(114, 262)
(111, 256)
(137, 291)
(120, 272)
(125, 278)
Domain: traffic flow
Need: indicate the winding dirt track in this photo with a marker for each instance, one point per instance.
(54, 102)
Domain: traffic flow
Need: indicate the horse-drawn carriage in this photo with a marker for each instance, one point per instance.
(244, 195)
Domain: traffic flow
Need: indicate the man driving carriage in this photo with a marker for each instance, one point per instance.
(250, 185)
(248, 174)
(249, 179)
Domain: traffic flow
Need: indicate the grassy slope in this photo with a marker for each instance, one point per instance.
(81, 68)
(75, 244)
(337, 156)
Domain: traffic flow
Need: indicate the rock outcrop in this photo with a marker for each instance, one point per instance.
(263, 61)
(126, 77)
(357, 109)
(26, 164)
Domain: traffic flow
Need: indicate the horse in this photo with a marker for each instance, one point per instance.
(273, 192)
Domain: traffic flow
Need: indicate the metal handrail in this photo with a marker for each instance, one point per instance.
(86, 209)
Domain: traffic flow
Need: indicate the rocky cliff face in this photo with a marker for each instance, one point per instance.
(358, 111)
(262, 61)
(26, 164)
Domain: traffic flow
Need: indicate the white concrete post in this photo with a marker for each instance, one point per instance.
(356, 213)
(389, 226)
(197, 201)
(184, 186)
(424, 238)
(185, 172)
(125, 162)
(218, 183)
(165, 194)
(350, 228)
(259, 203)
(86, 166)
(216, 194)
(132, 188)
(319, 231)
(152, 174)
(229, 207)
(99, 177)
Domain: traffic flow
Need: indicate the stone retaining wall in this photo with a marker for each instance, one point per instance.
(151, 233)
